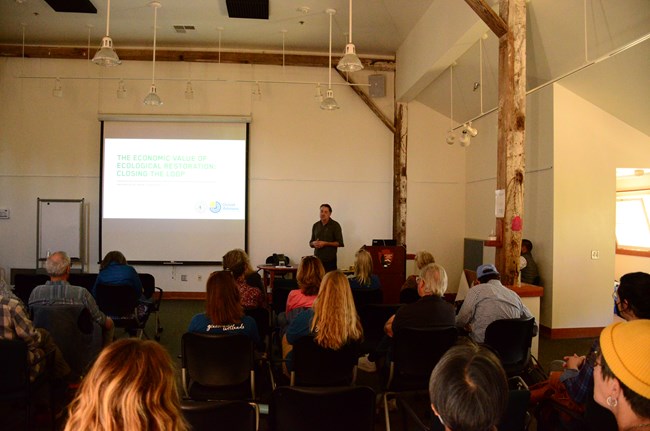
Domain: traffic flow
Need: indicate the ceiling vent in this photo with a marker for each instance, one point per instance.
(76, 6)
(183, 28)
(251, 9)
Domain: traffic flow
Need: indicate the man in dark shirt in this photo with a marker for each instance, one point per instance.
(430, 311)
(529, 274)
(326, 237)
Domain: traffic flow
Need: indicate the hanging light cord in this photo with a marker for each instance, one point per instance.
(480, 63)
(349, 25)
(108, 17)
(155, 28)
(329, 82)
(451, 97)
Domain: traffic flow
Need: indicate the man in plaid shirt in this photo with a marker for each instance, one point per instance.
(15, 324)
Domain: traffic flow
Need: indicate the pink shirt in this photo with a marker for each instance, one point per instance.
(297, 299)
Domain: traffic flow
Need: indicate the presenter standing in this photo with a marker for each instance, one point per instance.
(326, 237)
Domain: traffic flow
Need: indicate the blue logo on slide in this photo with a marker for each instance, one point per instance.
(215, 207)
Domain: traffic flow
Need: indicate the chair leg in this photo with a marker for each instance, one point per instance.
(386, 415)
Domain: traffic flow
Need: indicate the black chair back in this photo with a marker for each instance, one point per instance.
(14, 372)
(511, 339)
(217, 366)
(148, 284)
(314, 365)
(408, 295)
(373, 318)
(416, 351)
(279, 296)
(85, 280)
(117, 300)
(74, 331)
(363, 297)
(348, 408)
(226, 415)
(262, 320)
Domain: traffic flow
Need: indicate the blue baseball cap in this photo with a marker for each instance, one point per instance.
(487, 269)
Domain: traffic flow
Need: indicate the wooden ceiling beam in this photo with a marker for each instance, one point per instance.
(144, 54)
(489, 17)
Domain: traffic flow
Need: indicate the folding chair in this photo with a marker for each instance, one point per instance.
(314, 365)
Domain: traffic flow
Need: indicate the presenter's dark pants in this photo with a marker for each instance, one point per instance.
(330, 265)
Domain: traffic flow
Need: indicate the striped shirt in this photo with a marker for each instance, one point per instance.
(62, 292)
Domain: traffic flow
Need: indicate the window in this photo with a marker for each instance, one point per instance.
(633, 222)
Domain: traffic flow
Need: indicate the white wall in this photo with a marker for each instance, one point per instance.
(436, 189)
(589, 144)
(299, 155)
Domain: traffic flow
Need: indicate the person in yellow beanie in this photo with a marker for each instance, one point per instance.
(622, 373)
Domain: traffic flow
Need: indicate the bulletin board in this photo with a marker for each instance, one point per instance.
(60, 225)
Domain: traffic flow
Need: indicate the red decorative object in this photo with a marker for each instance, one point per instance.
(516, 223)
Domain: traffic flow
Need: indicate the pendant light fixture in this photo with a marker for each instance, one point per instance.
(350, 61)
(106, 55)
(152, 98)
(329, 103)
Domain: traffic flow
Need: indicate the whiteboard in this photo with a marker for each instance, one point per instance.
(60, 227)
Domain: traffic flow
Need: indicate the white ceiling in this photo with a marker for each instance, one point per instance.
(379, 26)
(555, 41)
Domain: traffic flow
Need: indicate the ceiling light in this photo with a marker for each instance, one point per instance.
(451, 137)
(189, 91)
(121, 90)
(350, 61)
(152, 98)
(329, 104)
(106, 55)
(469, 130)
(57, 91)
(464, 139)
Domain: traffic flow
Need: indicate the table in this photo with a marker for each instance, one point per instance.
(269, 272)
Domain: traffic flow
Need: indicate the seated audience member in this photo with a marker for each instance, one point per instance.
(529, 273)
(363, 277)
(333, 320)
(430, 311)
(251, 297)
(622, 373)
(131, 386)
(239, 256)
(224, 313)
(574, 386)
(59, 291)
(489, 301)
(468, 389)
(114, 269)
(422, 259)
(309, 276)
(16, 324)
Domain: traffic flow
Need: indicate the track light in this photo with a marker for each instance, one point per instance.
(152, 99)
(329, 103)
(318, 95)
(464, 139)
(469, 130)
(256, 92)
(57, 91)
(451, 137)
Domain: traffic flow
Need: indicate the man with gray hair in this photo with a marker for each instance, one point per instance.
(59, 291)
(430, 311)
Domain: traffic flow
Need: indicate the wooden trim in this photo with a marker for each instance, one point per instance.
(527, 290)
(194, 296)
(632, 252)
(146, 54)
(569, 333)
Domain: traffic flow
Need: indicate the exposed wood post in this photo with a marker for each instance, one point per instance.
(366, 99)
(400, 141)
(511, 134)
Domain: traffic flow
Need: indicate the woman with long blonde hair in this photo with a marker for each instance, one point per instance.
(333, 320)
(131, 386)
(363, 277)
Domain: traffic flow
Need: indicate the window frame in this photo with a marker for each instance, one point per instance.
(633, 251)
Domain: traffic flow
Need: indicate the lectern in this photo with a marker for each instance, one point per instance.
(389, 263)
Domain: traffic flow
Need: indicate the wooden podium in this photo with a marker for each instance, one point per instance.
(389, 263)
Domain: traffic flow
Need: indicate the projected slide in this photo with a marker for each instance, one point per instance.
(174, 179)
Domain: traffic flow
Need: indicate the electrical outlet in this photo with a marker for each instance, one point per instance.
(595, 254)
(4, 213)
(183, 277)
